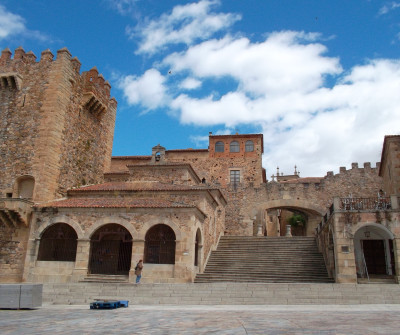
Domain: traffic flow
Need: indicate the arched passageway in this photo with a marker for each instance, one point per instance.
(58, 244)
(160, 245)
(374, 254)
(110, 250)
(197, 246)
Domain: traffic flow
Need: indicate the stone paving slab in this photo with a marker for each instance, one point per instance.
(232, 320)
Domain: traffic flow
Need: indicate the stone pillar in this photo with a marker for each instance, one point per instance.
(260, 230)
(184, 262)
(288, 230)
(82, 260)
(396, 249)
(344, 254)
(30, 259)
(394, 201)
(137, 254)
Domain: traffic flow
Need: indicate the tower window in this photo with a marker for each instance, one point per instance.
(234, 146)
(249, 147)
(219, 146)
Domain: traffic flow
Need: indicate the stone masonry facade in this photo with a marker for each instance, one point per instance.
(57, 177)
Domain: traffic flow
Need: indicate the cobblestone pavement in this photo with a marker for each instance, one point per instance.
(246, 320)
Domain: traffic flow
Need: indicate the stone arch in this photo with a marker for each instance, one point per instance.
(147, 225)
(373, 249)
(58, 242)
(110, 250)
(289, 203)
(60, 219)
(160, 245)
(111, 219)
(277, 227)
(386, 232)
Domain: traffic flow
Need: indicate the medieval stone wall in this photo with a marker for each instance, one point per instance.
(56, 125)
(20, 115)
(390, 168)
(13, 246)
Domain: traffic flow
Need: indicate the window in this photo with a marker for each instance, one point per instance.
(219, 147)
(249, 146)
(235, 177)
(234, 147)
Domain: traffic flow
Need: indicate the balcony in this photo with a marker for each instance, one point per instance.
(15, 212)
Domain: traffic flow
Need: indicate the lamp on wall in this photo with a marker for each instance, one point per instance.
(367, 234)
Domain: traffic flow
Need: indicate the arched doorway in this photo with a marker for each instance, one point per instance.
(160, 245)
(374, 254)
(197, 246)
(110, 250)
(58, 244)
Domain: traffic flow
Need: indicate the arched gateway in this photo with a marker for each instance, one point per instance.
(110, 250)
(373, 248)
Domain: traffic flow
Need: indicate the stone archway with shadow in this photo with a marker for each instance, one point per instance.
(273, 217)
(374, 251)
(110, 250)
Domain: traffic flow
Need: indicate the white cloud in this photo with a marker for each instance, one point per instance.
(123, 6)
(281, 63)
(147, 90)
(185, 24)
(190, 84)
(388, 7)
(10, 24)
(277, 85)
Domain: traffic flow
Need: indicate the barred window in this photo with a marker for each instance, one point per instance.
(235, 176)
(219, 146)
(58, 243)
(249, 146)
(159, 247)
(234, 147)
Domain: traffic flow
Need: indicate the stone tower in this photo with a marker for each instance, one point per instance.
(56, 125)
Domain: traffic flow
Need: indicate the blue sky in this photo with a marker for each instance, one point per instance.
(320, 79)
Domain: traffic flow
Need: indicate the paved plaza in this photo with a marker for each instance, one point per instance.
(168, 319)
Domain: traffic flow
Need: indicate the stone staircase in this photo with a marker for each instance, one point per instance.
(100, 278)
(265, 260)
(222, 293)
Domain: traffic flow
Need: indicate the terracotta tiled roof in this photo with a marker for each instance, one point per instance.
(137, 186)
(302, 180)
(115, 203)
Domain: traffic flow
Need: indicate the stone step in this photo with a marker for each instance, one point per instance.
(100, 278)
(263, 259)
(223, 293)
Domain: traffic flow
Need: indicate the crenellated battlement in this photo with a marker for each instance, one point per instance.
(355, 168)
(96, 89)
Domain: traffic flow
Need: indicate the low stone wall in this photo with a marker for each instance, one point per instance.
(17, 296)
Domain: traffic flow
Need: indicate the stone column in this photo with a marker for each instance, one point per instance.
(82, 260)
(288, 230)
(184, 262)
(30, 259)
(396, 249)
(137, 254)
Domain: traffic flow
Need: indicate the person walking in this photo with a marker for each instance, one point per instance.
(138, 271)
